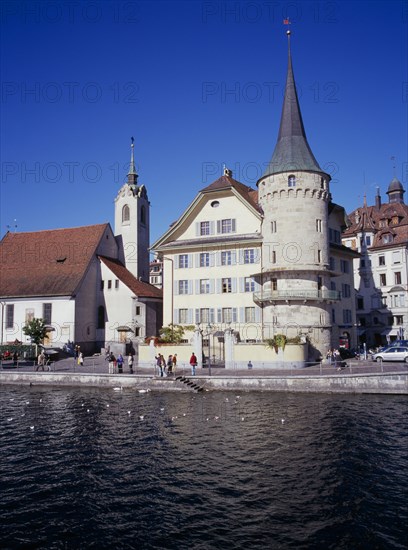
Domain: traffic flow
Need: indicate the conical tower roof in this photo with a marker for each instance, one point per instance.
(292, 151)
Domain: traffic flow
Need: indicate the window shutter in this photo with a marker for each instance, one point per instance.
(197, 316)
(233, 224)
(212, 316)
(218, 226)
(218, 257)
(211, 286)
(190, 316)
(257, 314)
(257, 255)
(233, 257)
(240, 256)
(234, 315)
(212, 259)
(197, 227)
(176, 287)
(212, 228)
(190, 260)
(242, 315)
(219, 315)
(197, 259)
(242, 284)
(233, 284)
(197, 286)
(190, 287)
(176, 261)
(218, 287)
(176, 317)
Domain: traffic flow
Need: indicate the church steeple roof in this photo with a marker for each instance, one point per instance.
(292, 151)
(395, 191)
(132, 174)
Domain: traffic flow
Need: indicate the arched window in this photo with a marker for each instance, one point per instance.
(125, 214)
(291, 181)
(143, 215)
(101, 317)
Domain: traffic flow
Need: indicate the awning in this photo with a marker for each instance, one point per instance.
(390, 332)
(124, 328)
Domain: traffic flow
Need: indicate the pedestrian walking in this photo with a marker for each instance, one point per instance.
(41, 361)
(174, 363)
(81, 359)
(170, 364)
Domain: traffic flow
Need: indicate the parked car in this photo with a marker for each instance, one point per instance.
(395, 353)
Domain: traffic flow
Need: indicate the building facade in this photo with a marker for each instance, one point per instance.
(380, 234)
(85, 282)
(234, 259)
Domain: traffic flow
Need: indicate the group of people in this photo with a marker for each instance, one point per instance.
(116, 363)
(333, 356)
(166, 367)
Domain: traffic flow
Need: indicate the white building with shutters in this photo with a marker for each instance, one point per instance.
(209, 256)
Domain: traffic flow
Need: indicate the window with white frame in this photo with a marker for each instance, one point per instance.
(183, 287)
(205, 228)
(183, 316)
(204, 286)
(183, 260)
(381, 260)
(249, 256)
(396, 257)
(204, 315)
(291, 181)
(226, 257)
(397, 278)
(226, 226)
(383, 279)
(226, 285)
(204, 259)
(227, 314)
(249, 314)
(249, 284)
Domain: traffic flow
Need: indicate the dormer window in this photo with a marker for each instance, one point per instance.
(387, 238)
(291, 181)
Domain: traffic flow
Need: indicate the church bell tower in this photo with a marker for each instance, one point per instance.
(132, 223)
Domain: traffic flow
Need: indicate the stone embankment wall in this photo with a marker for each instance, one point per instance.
(395, 383)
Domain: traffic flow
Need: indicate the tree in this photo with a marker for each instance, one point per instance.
(36, 330)
(173, 334)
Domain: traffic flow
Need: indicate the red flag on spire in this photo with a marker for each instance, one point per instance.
(286, 21)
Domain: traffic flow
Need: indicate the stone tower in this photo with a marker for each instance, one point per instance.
(294, 195)
(132, 229)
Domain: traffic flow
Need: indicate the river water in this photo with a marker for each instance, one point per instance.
(98, 468)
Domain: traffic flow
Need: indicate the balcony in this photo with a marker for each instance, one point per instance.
(297, 295)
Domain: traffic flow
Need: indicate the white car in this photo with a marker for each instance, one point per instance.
(394, 353)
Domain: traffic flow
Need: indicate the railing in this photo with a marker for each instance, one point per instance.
(293, 294)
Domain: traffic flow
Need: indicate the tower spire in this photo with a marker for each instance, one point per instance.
(132, 174)
(292, 151)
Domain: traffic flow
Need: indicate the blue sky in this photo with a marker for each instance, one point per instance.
(198, 84)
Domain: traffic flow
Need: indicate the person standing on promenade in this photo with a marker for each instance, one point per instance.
(130, 362)
(193, 363)
(112, 361)
(174, 363)
(120, 363)
(81, 359)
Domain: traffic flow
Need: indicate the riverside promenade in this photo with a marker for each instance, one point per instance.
(357, 377)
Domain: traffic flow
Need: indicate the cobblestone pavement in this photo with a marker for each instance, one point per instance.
(98, 365)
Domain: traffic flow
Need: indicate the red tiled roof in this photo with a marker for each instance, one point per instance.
(380, 221)
(139, 288)
(47, 263)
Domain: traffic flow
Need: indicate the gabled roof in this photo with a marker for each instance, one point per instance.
(227, 182)
(139, 288)
(47, 263)
(292, 151)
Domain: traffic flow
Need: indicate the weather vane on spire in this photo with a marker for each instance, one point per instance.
(394, 168)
